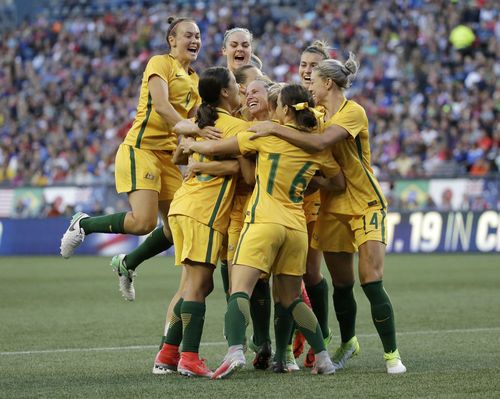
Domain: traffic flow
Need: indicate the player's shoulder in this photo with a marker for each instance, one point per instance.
(353, 107)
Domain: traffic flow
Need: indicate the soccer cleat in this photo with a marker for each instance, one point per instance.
(290, 362)
(166, 360)
(344, 352)
(190, 365)
(298, 343)
(233, 361)
(125, 277)
(310, 359)
(263, 355)
(73, 236)
(393, 363)
(323, 364)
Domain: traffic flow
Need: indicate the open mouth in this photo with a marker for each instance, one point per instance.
(239, 58)
(307, 78)
(193, 49)
(252, 104)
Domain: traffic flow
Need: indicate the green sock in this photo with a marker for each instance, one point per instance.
(174, 333)
(237, 318)
(307, 324)
(318, 295)
(155, 243)
(224, 271)
(260, 310)
(104, 224)
(193, 318)
(345, 310)
(283, 329)
(382, 314)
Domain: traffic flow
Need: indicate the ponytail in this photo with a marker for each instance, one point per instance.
(206, 115)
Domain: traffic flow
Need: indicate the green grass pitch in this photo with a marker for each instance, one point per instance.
(65, 332)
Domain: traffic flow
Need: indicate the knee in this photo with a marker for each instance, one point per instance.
(145, 225)
(312, 277)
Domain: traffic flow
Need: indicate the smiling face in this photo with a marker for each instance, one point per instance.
(237, 50)
(318, 87)
(256, 100)
(307, 62)
(186, 44)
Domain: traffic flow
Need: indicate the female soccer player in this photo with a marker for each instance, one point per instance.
(274, 239)
(354, 220)
(144, 167)
(199, 216)
(315, 284)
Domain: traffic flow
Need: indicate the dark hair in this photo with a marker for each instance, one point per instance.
(293, 94)
(212, 81)
(173, 21)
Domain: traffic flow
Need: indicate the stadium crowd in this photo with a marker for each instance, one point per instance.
(69, 84)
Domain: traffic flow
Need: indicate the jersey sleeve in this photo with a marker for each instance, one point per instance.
(353, 119)
(329, 166)
(158, 66)
(246, 145)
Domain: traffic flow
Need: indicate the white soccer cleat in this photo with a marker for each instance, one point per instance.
(233, 361)
(323, 364)
(393, 363)
(73, 236)
(290, 362)
(125, 277)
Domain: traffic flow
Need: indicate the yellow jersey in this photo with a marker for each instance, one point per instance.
(353, 155)
(149, 130)
(283, 172)
(207, 198)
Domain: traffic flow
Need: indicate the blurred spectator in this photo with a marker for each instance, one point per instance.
(69, 79)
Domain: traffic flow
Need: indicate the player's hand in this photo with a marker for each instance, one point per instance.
(186, 127)
(210, 133)
(186, 144)
(191, 169)
(262, 129)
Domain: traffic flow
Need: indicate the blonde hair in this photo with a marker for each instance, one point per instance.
(341, 74)
(318, 47)
(234, 30)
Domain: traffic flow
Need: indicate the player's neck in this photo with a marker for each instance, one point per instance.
(333, 103)
(225, 105)
(185, 63)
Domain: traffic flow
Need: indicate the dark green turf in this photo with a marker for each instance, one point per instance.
(447, 313)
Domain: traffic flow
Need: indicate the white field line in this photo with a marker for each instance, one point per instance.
(221, 343)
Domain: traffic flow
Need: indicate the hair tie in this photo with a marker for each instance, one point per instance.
(300, 106)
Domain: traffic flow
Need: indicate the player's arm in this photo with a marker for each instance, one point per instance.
(307, 141)
(335, 184)
(179, 158)
(247, 168)
(227, 146)
(158, 88)
(332, 178)
(215, 168)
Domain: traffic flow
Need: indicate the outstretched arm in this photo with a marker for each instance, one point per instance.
(211, 148)
(215, 168)
(307, 141)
